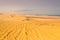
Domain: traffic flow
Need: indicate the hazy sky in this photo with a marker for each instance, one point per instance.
(42, 7)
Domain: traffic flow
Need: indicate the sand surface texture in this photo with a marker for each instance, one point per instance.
(15, 27)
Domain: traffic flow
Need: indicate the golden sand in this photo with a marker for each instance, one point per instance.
(15, 27)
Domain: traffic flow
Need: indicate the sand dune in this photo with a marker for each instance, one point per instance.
(15, 27)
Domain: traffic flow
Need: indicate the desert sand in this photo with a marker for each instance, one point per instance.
(22, 27)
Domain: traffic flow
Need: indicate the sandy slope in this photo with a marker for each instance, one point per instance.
(15, 27)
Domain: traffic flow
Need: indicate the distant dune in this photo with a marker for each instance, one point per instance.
(30, 16)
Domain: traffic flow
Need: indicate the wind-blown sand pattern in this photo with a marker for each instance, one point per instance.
(15, 27)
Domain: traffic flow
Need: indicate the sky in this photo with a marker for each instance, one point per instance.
(35, 7)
